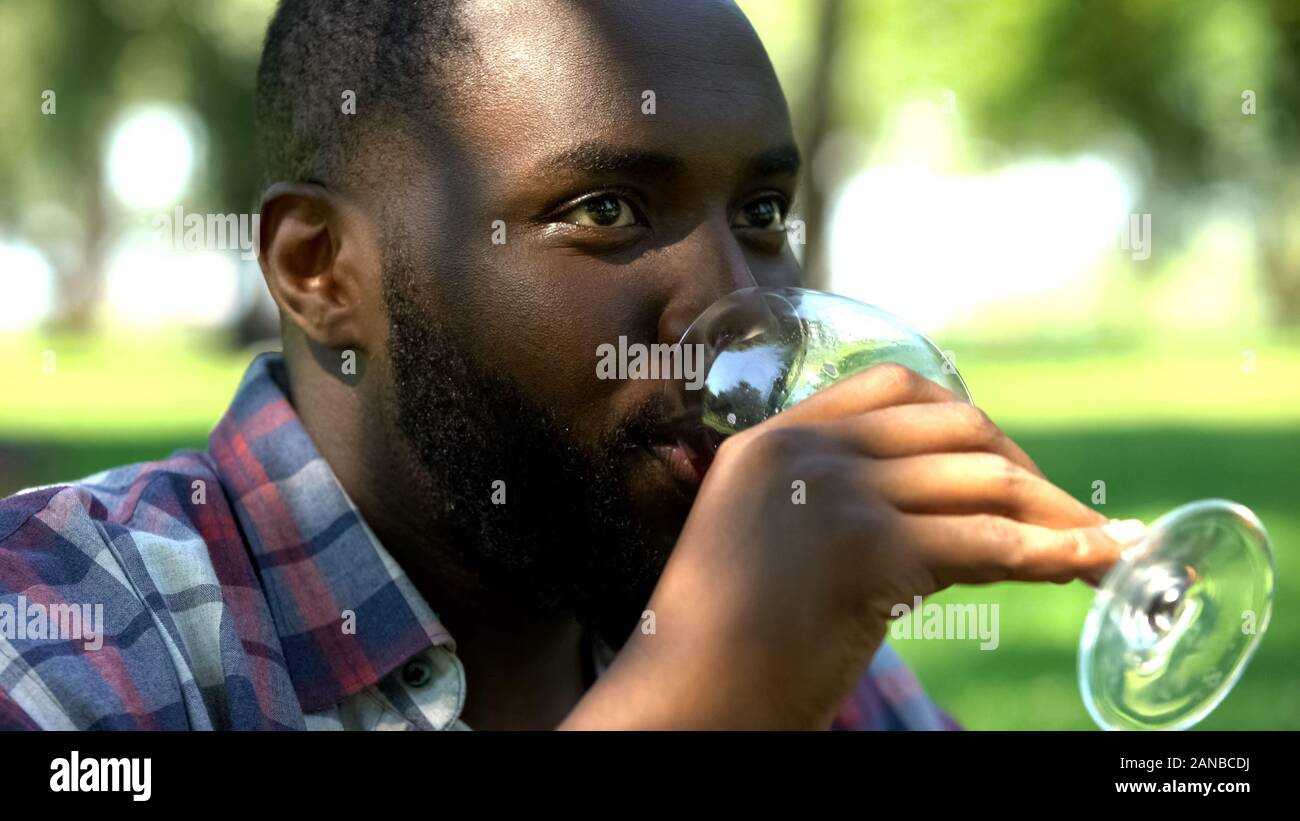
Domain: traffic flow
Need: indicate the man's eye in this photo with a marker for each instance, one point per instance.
(603, 211)
(767, 214)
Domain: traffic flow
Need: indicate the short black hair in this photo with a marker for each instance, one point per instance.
(391, 53)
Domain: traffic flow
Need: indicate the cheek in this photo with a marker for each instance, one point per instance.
(542, 319)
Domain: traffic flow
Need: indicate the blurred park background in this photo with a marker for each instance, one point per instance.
(1094, 206)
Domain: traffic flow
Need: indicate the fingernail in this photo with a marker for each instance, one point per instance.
(1125, 531)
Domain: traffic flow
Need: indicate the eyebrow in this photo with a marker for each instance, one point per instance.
(601, 158)
(777, 161)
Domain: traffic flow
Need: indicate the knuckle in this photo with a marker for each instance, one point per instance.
(818, 469)
(1014, 478)
(982, 429)
(1006, 478)
(1083, 554)
(876, 518)
(1073, 554)
(896, 378)
(1013, 549)
(732, 445)
(782, 445)
(785, 443)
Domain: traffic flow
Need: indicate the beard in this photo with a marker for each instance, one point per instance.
(560, 535)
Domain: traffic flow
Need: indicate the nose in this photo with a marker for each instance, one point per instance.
(709, 264)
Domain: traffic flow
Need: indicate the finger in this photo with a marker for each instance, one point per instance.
(969, 483)
(983, 549)
(877, 387)
(932, 427)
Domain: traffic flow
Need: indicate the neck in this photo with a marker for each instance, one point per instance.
(523, 669)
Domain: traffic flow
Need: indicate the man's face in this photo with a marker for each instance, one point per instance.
(617, 223)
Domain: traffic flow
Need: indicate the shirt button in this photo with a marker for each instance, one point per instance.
(417, 672)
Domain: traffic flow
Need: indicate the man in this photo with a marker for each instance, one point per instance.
(467, 200)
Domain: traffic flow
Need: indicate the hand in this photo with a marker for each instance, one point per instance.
(768, 611)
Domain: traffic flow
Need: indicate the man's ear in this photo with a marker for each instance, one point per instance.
(318, 255)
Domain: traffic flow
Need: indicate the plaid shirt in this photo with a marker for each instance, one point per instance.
(239, 588)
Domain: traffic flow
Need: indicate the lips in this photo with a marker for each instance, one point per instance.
(682, 465)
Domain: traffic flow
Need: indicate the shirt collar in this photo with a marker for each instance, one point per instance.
(345, 612)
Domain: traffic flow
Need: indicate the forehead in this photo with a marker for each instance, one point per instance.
(547, 75)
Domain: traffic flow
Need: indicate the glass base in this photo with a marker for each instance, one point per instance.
(1175, 622)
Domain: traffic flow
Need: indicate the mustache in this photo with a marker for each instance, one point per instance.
(651, 422)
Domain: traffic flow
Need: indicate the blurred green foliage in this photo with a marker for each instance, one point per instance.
(1160, 88)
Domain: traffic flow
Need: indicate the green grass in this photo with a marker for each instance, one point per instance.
(78, 390)
(1160, 427)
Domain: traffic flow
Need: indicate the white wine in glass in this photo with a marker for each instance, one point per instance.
(1174, 622)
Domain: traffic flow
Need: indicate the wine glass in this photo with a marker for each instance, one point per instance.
(1174, 622)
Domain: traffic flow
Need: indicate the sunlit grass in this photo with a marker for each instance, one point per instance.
(70, 388)
(1204, 385)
